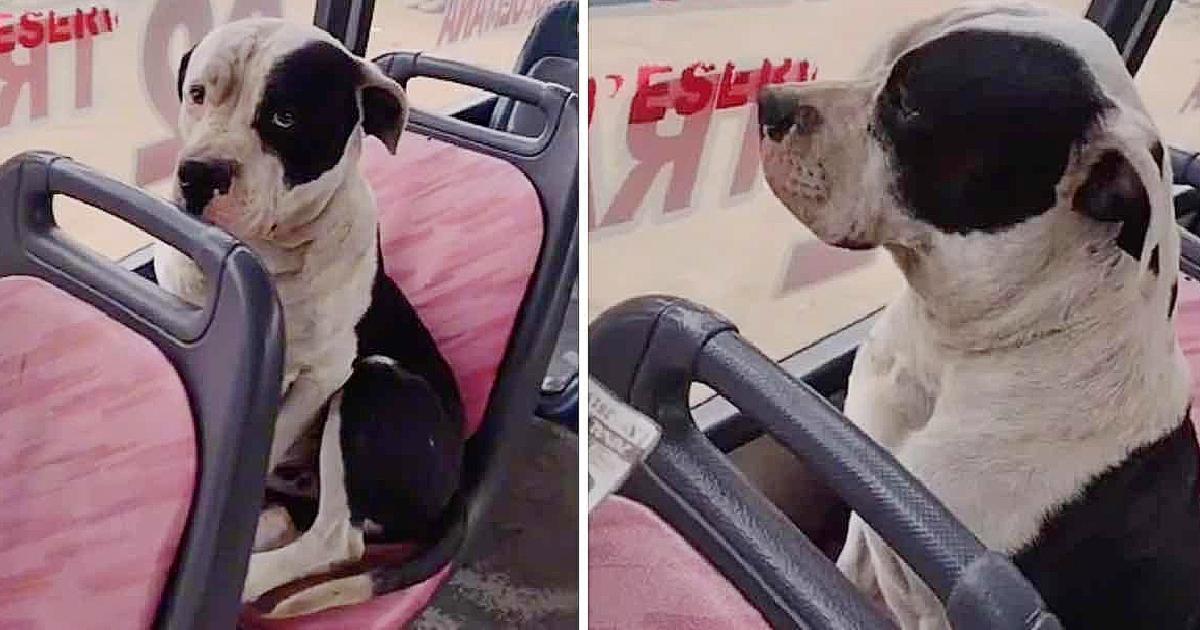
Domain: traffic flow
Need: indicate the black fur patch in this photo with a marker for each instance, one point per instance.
(1174, 297)
(402, 422)
(183, 66)
(981, 125)
(1156, 151)
(1114, 192)
(1154, 260)
(317, 86)
(1126, 554)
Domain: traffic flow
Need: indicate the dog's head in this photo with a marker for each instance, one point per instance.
(271, 120)
(978, 132)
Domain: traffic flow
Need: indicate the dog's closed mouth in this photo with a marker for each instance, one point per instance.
(852, 244)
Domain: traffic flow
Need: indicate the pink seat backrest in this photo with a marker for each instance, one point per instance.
(643, 574)
(461, 233)
(97, 464)
(1187, 327)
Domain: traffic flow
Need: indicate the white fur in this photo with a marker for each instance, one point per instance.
(1041, 372)
(318, 241)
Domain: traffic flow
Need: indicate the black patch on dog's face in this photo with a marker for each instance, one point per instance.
(315, 86)
(981, 124)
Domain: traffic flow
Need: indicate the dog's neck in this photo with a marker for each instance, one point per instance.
(337, 226)
(323, 270)
(992, 292)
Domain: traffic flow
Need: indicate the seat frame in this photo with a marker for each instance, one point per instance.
(550, 162)
(228, 355)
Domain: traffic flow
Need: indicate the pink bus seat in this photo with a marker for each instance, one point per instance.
(98, 464)
(643, 574)
(461, 232)
(1187, 327)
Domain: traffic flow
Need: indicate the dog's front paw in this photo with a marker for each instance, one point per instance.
(340, 592)
(320, 549)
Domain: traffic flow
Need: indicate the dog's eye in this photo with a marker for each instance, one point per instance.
(283, 119)
(196, 93)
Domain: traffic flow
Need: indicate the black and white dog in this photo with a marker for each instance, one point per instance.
(272, 123)
(1029, 372)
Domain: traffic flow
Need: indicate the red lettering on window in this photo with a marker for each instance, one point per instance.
(650, 102)
(735, 88)
(32, 30)
(695, 90)
(8, 37)
(59, 27)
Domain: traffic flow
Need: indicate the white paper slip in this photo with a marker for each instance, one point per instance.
(619, 437)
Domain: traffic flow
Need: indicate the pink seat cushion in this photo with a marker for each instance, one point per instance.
(97, 464)
(461, 233)
(1187, 327)
(643, 574)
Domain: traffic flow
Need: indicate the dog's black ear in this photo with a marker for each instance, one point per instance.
(1113, 192)
(385, 106)
(183, 66)
(384, 114)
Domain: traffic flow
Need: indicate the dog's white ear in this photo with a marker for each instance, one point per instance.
(1120, 187)
(384, 106)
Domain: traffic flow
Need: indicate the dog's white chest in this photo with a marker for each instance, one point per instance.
(1003, 438)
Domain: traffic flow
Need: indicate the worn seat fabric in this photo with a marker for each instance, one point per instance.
(643, 574)
(97, 464)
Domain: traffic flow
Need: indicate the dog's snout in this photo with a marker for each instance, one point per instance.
(779, 112)
(200, 180)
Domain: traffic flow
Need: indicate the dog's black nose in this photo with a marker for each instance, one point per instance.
(778, 113)
(200, 180)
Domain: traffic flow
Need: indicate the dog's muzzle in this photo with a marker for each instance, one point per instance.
(779, 113)
(201, 180)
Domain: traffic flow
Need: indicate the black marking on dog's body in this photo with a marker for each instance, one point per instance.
(1154, 260)
(981, 125)
(1126, 552)
(402, 422)
(1114, 193)
(317, 84)
(1173, 298)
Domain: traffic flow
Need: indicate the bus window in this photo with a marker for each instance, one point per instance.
(481, 33)
(1169, 79)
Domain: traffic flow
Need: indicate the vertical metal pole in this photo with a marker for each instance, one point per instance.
(347, 20)
(358, 25)
(1132, 25)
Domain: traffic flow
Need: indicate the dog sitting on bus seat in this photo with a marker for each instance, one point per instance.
(272, 122)
(1028, 373)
